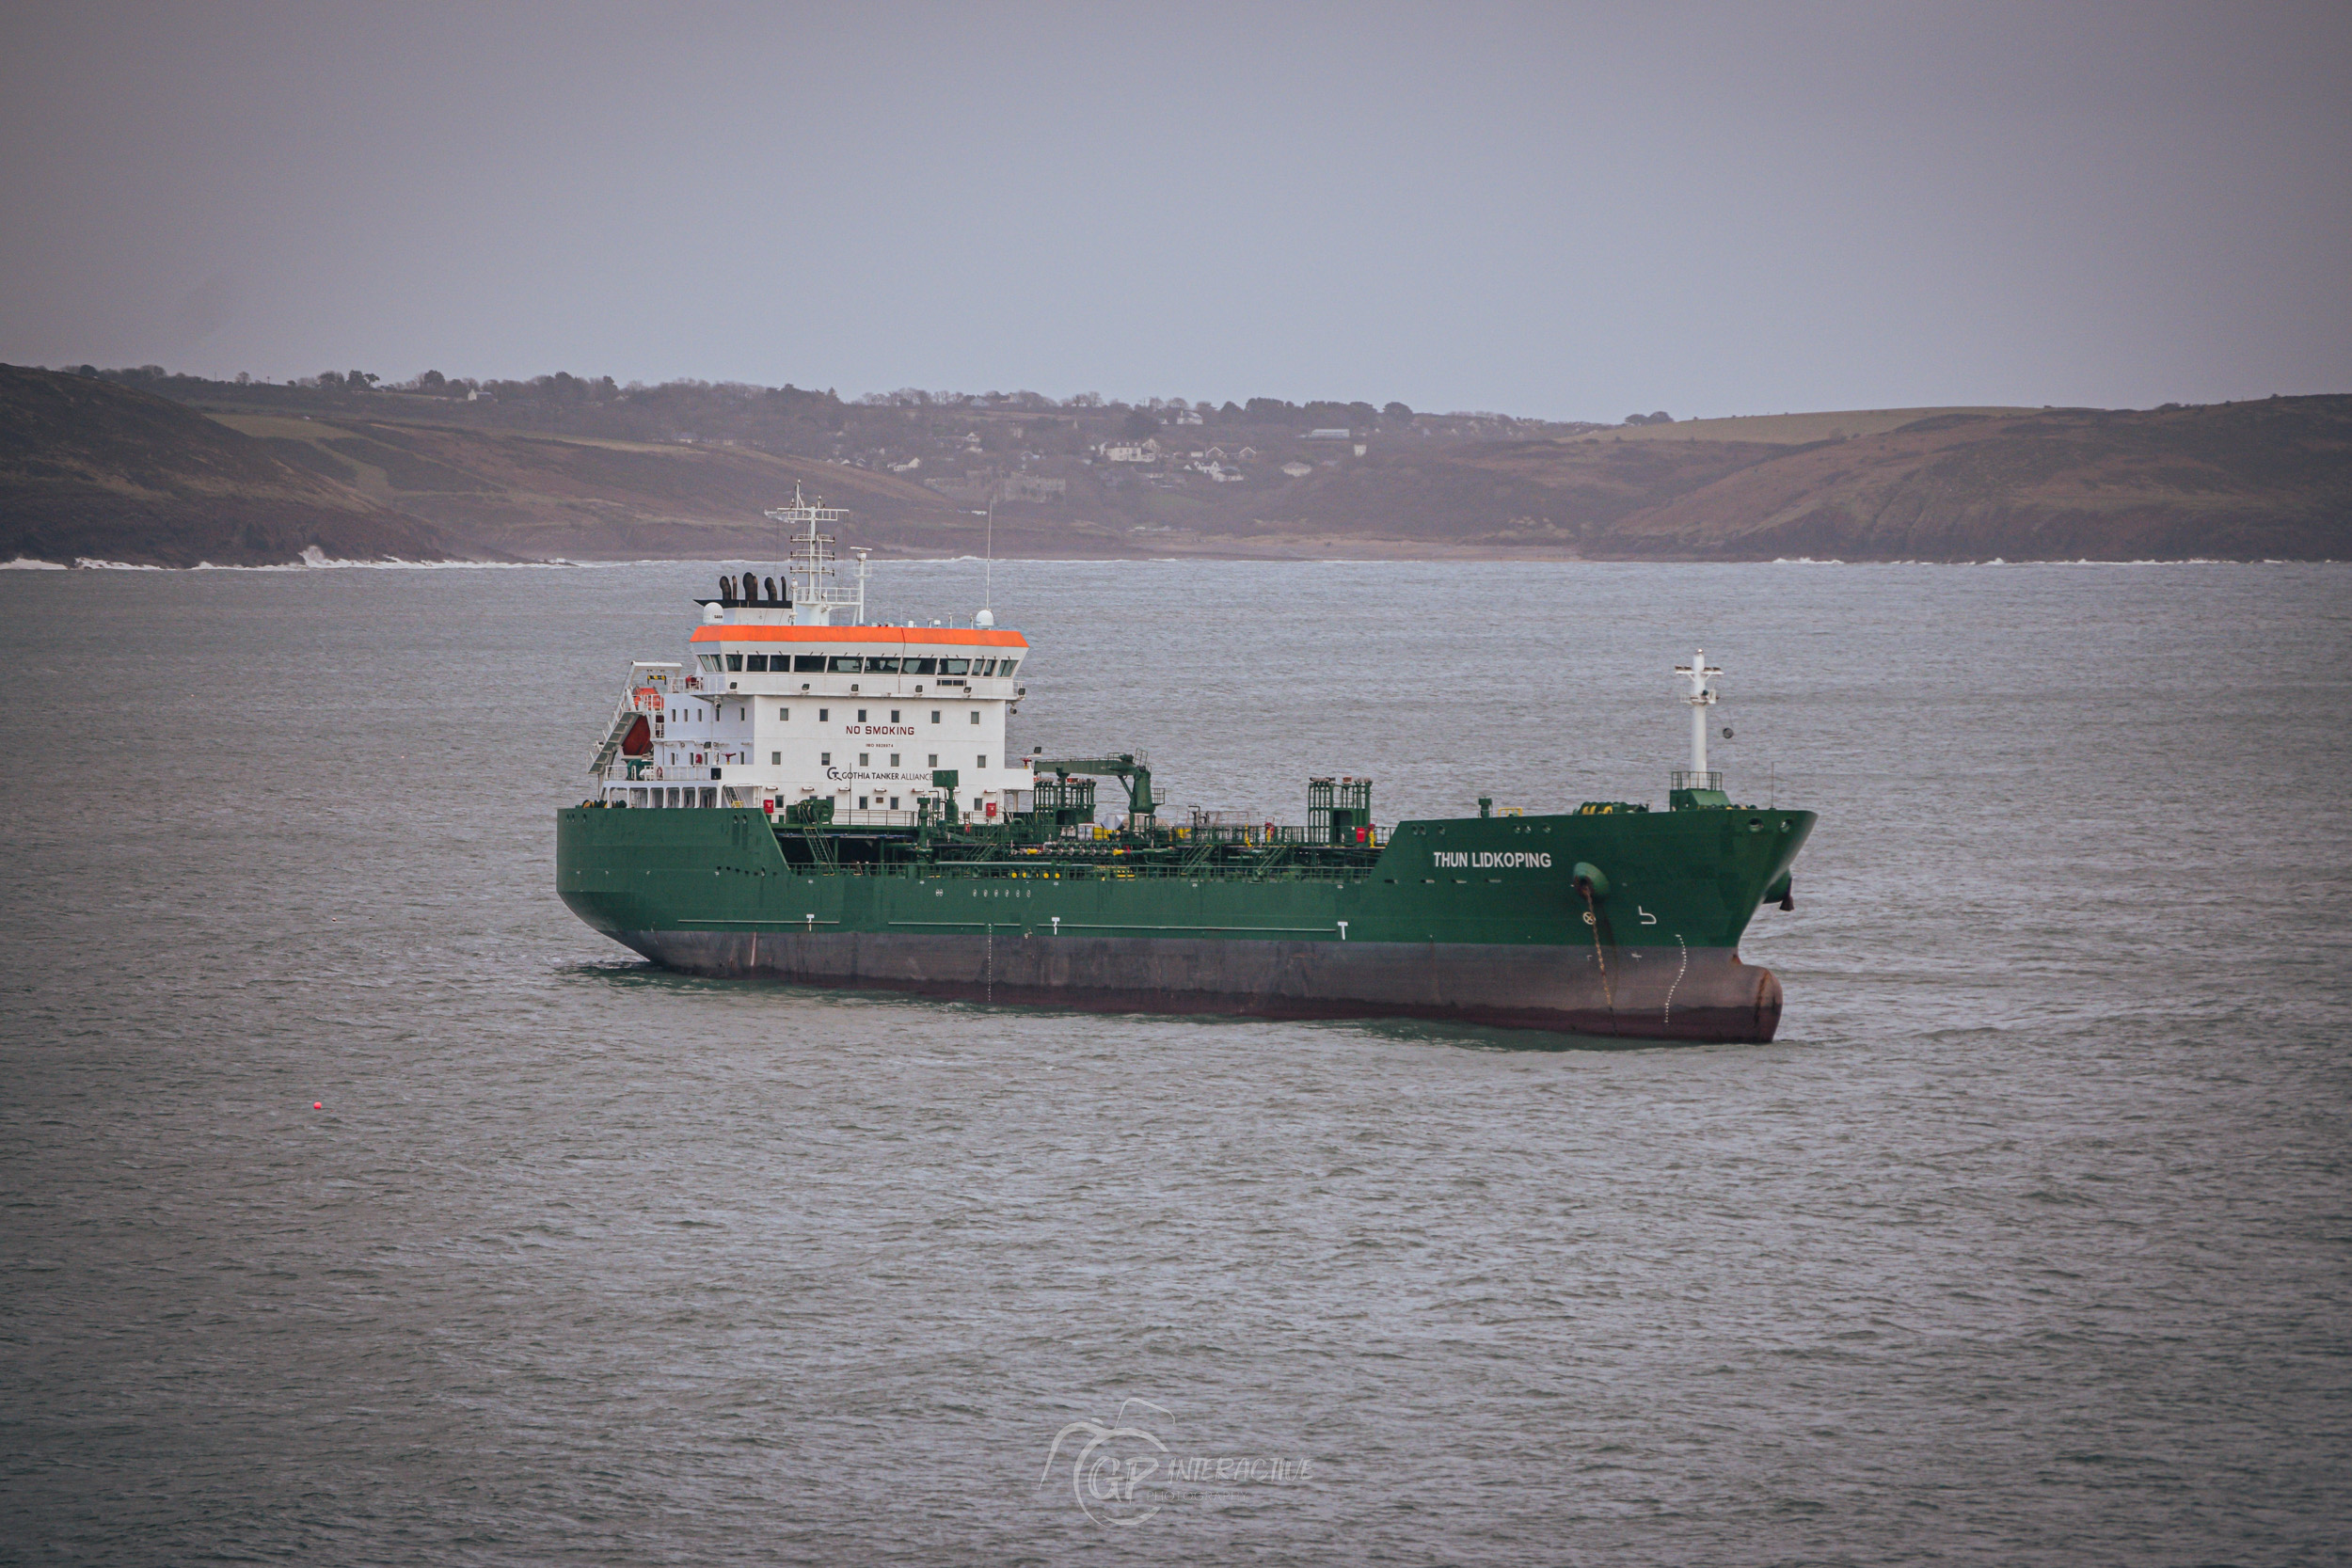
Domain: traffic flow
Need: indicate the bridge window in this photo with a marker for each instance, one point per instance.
(735, 661)
(876, 666)
(921, 667)
(708, 661)
(755, 664)
(804, 664)
(955, 666)
(1008, 666)
(847, 664)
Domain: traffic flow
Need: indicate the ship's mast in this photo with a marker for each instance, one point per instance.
(1701, 697)
(816, 590)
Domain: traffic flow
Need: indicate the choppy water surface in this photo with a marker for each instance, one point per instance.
(2026, 1242)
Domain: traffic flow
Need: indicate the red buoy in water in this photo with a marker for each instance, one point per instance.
(318, 1104)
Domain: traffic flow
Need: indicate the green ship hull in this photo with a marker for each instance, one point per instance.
(1614, 923)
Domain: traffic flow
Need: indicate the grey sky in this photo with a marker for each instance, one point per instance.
(1575, 212)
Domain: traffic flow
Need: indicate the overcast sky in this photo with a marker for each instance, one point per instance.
(1566, 211)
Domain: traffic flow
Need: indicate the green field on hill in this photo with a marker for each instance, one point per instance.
(1789, 430)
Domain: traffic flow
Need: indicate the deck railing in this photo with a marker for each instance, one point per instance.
(1093, 871)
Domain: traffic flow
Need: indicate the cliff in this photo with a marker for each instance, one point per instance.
(90, 468)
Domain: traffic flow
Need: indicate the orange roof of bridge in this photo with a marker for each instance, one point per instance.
(972, 638)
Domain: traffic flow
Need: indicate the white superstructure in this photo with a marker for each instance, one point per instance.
(779, 704)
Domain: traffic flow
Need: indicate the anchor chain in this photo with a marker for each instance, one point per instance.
(1592, 918)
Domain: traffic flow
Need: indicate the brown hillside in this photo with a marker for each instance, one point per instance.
(2239, 481)
(88, 468)
(92, 467)
(1790, 430)
(586, 499)
(1560, 494)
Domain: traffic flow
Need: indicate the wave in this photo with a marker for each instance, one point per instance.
(315, 560)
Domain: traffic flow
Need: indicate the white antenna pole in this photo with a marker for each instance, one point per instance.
(1701, 698)
(988, 560)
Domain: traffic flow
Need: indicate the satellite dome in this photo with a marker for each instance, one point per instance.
(984, 618)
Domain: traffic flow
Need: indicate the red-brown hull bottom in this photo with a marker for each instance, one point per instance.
(1659, 994)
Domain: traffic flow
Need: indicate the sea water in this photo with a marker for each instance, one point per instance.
(362, 1206)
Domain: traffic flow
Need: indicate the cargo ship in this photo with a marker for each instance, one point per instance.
(812, 798)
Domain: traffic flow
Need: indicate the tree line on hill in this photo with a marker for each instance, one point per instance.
(668, 410)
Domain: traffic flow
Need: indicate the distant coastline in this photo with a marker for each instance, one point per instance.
(142, 467)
